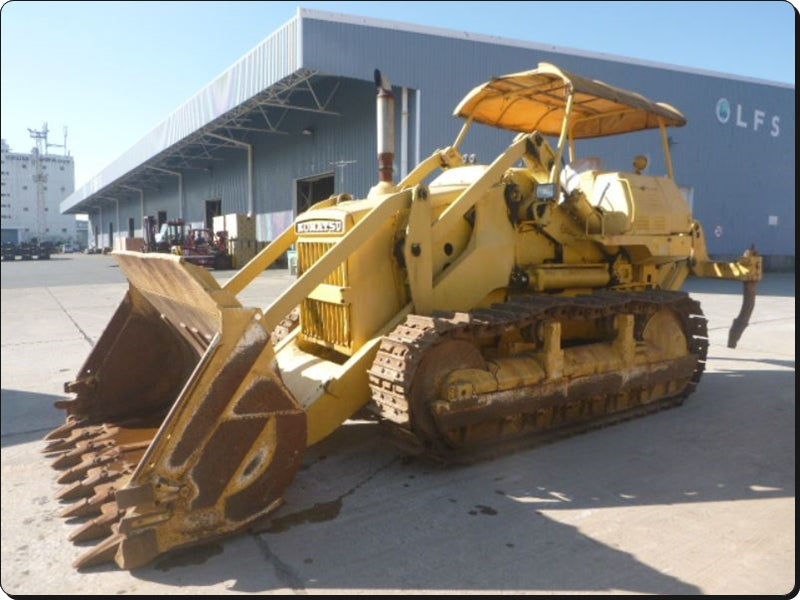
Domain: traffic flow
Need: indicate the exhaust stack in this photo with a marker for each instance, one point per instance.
(385, 110)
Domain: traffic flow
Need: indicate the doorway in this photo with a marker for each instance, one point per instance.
(213, 209)
(311, 190)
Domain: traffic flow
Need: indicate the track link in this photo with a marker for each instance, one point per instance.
(401, 354)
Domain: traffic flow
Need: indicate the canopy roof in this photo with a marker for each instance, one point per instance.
(537, 99)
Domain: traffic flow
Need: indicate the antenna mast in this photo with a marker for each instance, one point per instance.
(41, 138)
(39, 178)
(48, 145)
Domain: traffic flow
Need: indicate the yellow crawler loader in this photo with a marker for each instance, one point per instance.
(492, 307)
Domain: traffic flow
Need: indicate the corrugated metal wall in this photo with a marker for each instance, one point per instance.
(738, 162)
(741, 172)
(347, 140)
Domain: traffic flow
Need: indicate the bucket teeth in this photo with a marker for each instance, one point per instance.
(59, 445)
(102, 553)
(84, 508)
(63, 431)
(120, 458)
(99, 527)
(96, 466)
(95, 453)
(79, 471)
(87, 486)
(94, 529)
(70, 458)
(94, 432)
(74, 491)
(67, 460)
(92, 506)
(102, 475)
(91, 460)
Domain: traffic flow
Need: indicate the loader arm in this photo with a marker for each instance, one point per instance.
(219, 455)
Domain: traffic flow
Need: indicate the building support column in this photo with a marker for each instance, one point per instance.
(179, 175)
(417, 126)
(118, 229)
(141, 204)
(404, 134)
(249, 147)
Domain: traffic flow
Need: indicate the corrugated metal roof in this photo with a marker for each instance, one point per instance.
(265, 72)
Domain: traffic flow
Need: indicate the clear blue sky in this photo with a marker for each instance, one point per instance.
(111, 71)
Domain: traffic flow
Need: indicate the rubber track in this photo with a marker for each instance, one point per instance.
(402, 351)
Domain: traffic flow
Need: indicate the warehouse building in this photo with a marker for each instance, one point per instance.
(34, 184)
(293, 121)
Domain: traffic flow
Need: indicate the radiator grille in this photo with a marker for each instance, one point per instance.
(320, 321)
(326, 322)
(310, 252)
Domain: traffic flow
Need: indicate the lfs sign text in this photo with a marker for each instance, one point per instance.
(746, 119)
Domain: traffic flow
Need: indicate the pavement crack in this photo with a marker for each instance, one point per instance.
(69, 316)
(319, 512)
(53, 341)
(370, 477)
(286, 574)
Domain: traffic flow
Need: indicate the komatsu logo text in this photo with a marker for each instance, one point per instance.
(320, 226)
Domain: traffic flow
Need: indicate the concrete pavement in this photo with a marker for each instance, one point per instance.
(695, 500)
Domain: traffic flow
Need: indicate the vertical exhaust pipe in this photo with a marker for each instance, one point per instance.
(385, 110)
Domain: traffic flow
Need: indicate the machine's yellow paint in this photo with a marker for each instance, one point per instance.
(239, 409)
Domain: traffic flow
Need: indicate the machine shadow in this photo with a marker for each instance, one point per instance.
(27, 416)
(392, 523)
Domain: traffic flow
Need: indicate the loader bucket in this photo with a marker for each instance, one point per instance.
(181, 429)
